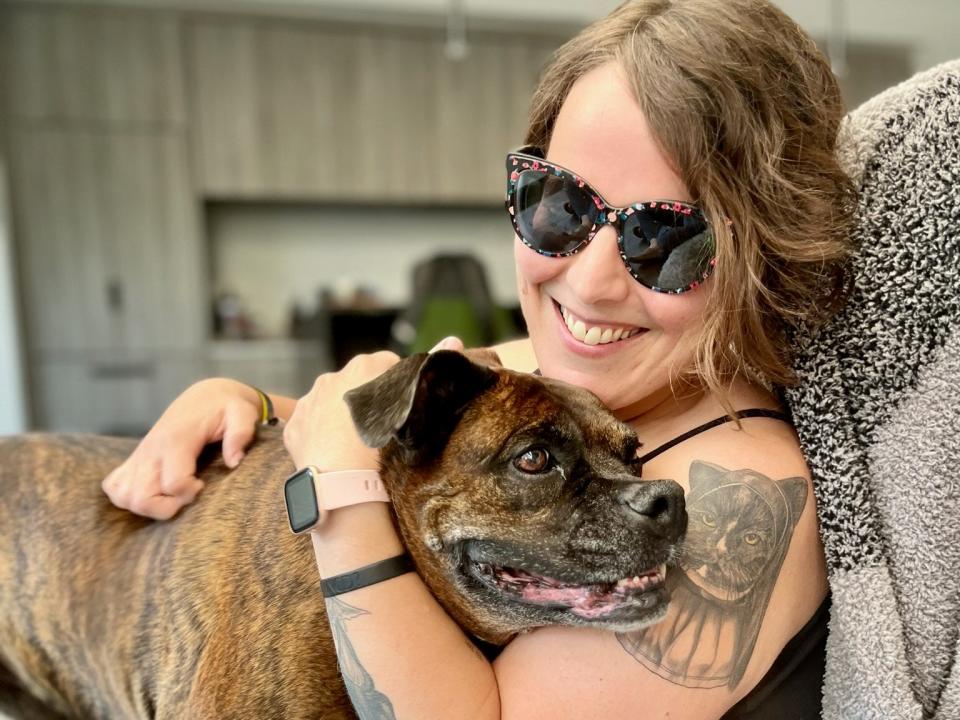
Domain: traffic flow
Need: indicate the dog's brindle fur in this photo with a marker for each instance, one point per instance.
(218, 613)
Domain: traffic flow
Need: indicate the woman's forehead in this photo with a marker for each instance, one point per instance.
(602, 134)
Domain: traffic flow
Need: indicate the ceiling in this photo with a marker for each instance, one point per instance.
(930, 29)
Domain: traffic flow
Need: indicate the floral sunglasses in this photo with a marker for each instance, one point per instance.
(666, 245)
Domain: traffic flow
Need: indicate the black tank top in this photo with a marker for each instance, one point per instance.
(791, 688)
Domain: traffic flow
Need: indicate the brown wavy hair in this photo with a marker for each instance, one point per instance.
(748, 109)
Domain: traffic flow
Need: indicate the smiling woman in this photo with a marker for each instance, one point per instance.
(677, 209)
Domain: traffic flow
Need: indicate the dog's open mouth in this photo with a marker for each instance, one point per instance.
(589, 601)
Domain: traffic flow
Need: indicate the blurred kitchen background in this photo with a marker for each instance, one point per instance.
(261, 189)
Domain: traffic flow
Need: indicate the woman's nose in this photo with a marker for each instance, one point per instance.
(597, 274)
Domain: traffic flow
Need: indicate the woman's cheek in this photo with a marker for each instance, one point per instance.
(677, 314)
(532, 267)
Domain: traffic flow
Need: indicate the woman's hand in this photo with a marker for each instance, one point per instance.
(321, 432)
(159, 477)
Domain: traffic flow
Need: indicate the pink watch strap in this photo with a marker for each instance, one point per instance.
(348, 487)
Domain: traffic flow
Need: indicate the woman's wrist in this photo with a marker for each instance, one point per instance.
(271, 407)
(355, 536)
(267, 414)
(282, 405)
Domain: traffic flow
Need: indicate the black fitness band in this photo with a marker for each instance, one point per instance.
(367, 575)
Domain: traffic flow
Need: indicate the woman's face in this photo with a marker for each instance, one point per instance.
(602, 135)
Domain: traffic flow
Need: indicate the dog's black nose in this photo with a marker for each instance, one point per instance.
(660, 503)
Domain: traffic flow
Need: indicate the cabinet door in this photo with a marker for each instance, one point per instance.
(285, 111)
(388, 92)
(266, 108)
(481, 108)
(284, 367)
(106, 65)
(361, 114)
(117, 394)
(107, 240)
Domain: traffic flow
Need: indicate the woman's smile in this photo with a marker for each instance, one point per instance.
(594, 338)
(590, 332)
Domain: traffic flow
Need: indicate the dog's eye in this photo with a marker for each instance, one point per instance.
(534, 460)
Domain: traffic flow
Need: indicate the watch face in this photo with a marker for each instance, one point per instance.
(301, 497)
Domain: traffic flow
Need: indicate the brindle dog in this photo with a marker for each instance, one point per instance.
(518, 498)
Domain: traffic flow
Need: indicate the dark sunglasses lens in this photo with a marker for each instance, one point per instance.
(667, 249)
(553, 213)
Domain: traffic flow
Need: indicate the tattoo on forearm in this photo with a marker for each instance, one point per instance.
(370, 703)
(740, 527)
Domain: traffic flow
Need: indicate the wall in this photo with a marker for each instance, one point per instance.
(13, 411)
(926, 28)
(275, 255)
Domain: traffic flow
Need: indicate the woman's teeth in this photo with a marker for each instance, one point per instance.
(591, 335)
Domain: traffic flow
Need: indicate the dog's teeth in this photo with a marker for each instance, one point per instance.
(636, 578)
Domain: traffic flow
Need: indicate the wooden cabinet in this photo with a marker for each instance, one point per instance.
(280, 366)
(481, 106)
(257, 95)
(113, 283)
(105, 218)
(91, 65)
(115, 393)
(107, 240)
(364, 115)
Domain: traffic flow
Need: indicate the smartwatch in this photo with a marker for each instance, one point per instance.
(310, 494)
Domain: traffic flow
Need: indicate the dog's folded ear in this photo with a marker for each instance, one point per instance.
(418, 401)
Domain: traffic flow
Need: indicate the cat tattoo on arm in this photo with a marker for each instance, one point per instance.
(740, 526)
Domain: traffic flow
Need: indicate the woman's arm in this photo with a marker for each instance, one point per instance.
(159, 477)
(400, 654)
(403, 657)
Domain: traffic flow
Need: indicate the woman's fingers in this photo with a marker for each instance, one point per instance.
(159, 477)
(177, 474)
(449, 343)
(321, 432)
(241, 428)
(159, 507)
(135, 486)
(116, 487)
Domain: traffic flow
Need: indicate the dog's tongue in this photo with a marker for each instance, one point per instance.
(587, 601)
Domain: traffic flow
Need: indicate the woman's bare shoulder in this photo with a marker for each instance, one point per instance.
(751, 575)
(517, 355)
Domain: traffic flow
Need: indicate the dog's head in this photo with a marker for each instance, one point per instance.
(519, 496)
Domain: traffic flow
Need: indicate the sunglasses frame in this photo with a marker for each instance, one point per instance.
(531, 158)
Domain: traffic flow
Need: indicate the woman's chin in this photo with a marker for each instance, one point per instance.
(611, 392)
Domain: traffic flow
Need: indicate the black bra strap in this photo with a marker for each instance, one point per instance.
(754, 412)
